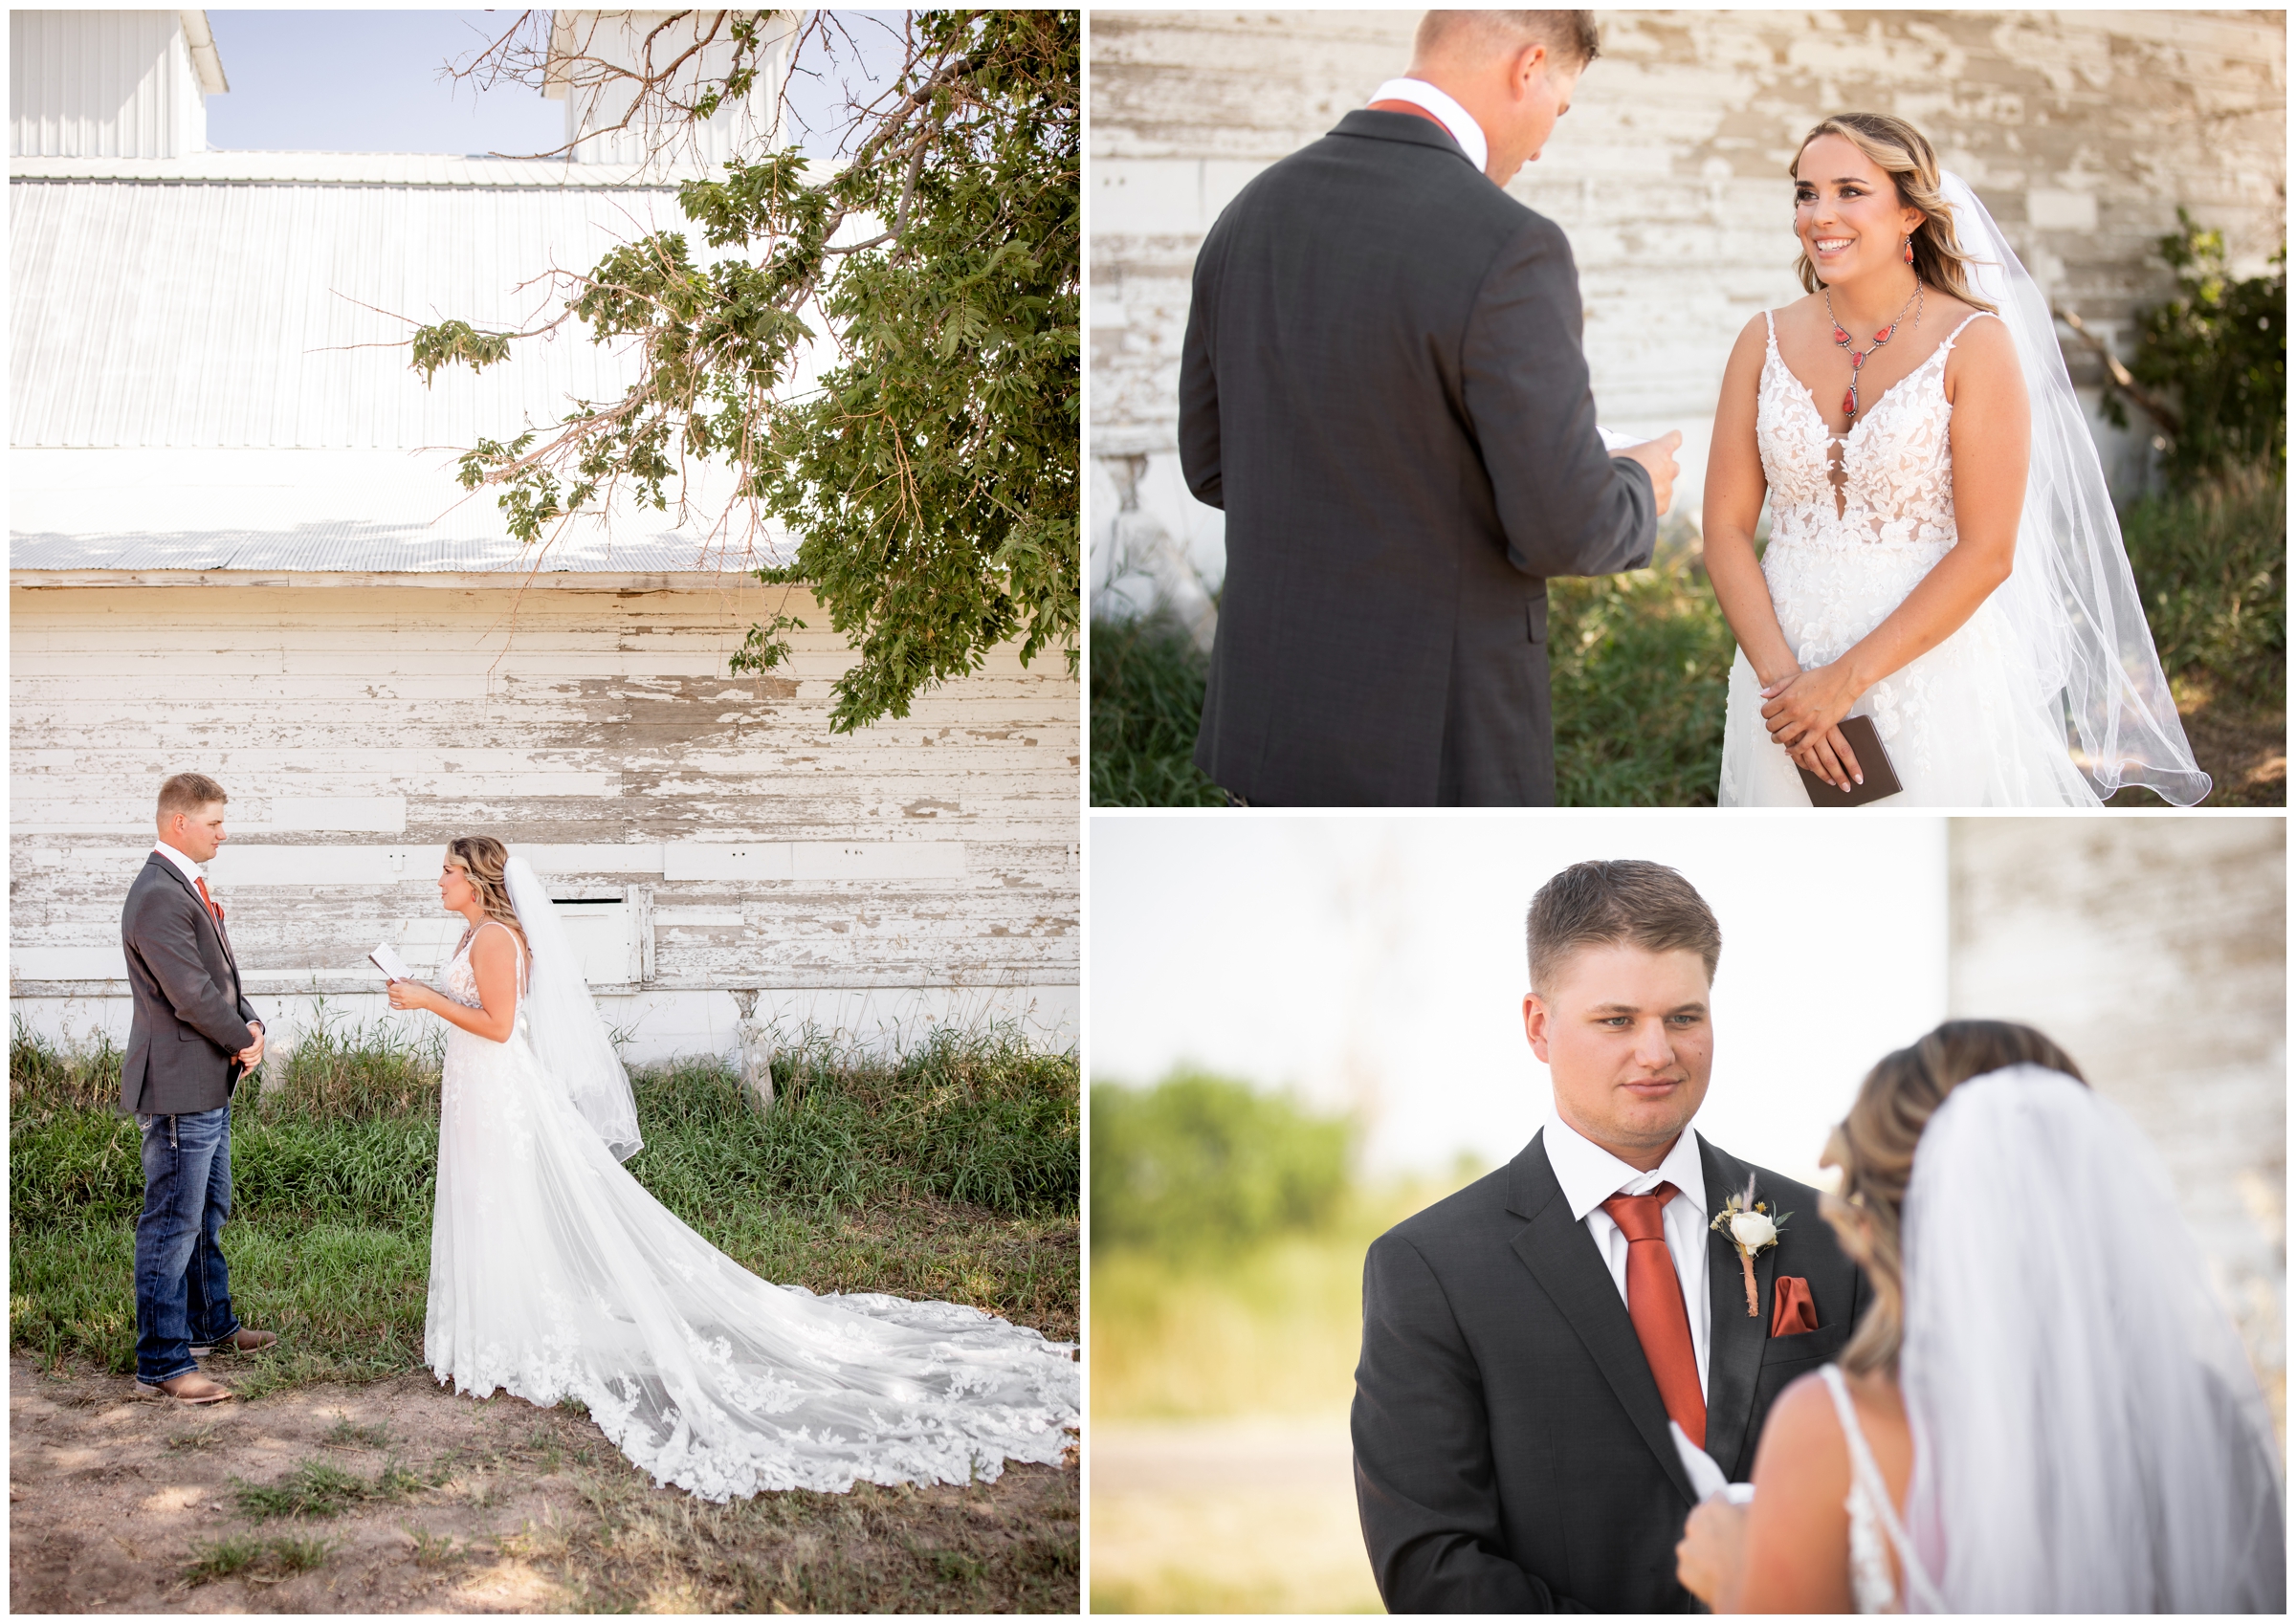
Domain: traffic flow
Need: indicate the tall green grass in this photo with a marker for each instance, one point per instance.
(1640, 666)
(950, 1170)
(1147, 698)
(2212, 565)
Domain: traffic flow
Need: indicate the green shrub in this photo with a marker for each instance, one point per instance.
(2221, 350)
(1201, 1163)
(2212, 565)
(1147, 698)
(1641, 672)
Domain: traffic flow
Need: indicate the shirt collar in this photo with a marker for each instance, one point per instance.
(184, 865)
(1590, 1174)
(1455, 119)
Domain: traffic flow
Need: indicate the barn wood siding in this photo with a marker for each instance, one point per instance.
(607, 720)
(2154, 950)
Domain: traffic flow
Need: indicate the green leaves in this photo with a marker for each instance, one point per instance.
(930, 482)
(452, 341)
(2223, 348)
(1203, 1163)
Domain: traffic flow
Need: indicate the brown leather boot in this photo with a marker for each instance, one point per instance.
(240, 1341)
(189, 1388)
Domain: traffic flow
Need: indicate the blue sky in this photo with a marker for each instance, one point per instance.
(371, 82)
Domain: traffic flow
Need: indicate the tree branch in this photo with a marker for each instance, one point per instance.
(2151, 405)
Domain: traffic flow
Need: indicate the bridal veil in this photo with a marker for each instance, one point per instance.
(562, 1022)
(2089, 1435)
(2072, 596)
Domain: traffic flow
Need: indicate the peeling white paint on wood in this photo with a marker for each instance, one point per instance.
(358, 729)
(2154, 951)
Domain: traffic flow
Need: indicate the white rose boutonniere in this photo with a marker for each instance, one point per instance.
(1750, 1226)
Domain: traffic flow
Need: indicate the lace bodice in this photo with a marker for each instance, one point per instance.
(460, 982)
(1896, 461)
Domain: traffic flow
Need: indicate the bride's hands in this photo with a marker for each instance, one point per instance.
(412, 995)
(1713, 1551)
(1802, 713)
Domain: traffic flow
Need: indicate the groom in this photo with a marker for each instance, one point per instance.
(193, 1036)
(1382, 386)
(1527, 1341)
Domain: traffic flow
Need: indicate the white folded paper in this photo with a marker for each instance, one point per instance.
(389, 963)
(1706, 1477)
(1614, 441)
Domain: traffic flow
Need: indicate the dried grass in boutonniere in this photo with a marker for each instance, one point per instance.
(1750, 1226)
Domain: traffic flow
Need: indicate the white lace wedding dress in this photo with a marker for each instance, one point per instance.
(555, 1275)
(1838, 566)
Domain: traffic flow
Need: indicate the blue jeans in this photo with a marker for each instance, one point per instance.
(183, 1287)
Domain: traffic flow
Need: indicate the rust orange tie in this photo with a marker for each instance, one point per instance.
(1662, 1324)
(215, 911)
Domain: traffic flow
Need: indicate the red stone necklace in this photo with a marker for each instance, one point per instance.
(1842, 339)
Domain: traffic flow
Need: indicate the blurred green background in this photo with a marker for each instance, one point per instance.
(1229, 1232)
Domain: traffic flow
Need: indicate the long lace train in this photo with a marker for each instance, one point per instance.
(554, 1274)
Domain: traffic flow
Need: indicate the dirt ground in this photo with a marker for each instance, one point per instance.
(447, 1505)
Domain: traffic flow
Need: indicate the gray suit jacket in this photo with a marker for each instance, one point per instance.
(190, 1018)
(1382, 386)
(1512, 1452)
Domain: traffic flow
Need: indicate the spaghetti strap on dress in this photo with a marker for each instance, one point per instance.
(1872, 1518)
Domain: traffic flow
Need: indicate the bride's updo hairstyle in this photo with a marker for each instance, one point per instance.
(483, 858)
(1906, 156)
(1875, 1144)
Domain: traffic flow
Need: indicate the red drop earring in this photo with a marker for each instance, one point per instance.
(1909, 250)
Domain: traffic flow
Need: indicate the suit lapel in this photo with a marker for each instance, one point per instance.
(192, 891)
(1735, 1339)
(1562, 1257)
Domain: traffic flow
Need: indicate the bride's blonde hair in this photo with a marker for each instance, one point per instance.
(1906, 156)
(1875, 1144)
(484, 859)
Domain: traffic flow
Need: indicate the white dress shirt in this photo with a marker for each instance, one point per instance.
(1590, 1175)
(1455, 119)
(188, 869)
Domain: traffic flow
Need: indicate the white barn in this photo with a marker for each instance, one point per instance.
(237, 546)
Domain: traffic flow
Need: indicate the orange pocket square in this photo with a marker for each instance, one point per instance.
(1791, 1311)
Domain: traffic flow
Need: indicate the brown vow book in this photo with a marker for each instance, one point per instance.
(1880, 777)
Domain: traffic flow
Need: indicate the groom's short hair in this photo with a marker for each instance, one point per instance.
(188, 792)
(1569, 36)
(1625, 902)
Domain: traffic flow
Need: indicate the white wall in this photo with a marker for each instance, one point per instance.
(2082, 131)
(729, 839)
(102, 84)
(2154, 950)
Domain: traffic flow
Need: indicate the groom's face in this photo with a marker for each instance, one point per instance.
(1628, 1038)
(197, 835)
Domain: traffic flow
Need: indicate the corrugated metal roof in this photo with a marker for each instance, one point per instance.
(230, 315)
(356, 169)
(324, 511)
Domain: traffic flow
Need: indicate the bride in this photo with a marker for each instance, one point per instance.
(554, 1274)
(1943, 557)
(2045, 1410)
